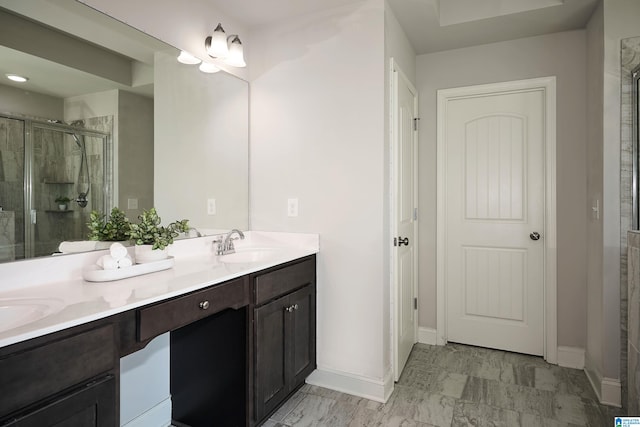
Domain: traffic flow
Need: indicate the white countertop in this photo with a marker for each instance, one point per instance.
(57, 282)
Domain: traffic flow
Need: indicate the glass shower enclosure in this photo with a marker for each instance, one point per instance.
(41, 165)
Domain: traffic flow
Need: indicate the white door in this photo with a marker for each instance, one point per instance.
(495, 207)
(404, 227)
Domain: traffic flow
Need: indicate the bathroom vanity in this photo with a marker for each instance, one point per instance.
(241, 343)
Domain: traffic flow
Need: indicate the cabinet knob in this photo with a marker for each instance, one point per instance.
(291, 308)
(204, 305)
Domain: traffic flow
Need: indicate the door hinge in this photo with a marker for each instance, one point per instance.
(415, 123)
(415, 303)
(395, 241)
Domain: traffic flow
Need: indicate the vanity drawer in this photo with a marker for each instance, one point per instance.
(37, 373)
(173, 314)
(284, 280)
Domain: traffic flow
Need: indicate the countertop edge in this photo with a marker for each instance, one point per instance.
(25, 332)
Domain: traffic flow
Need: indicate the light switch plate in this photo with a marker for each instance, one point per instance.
(132, 203)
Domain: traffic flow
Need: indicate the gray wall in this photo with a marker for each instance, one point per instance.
(595, 96)
(31, 104)
(135, 152)
(562, 55)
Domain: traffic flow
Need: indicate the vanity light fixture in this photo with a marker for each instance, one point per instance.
(16, 78)
(208, 67)
(236, 55)
(228, 49)
(216, 43)
(187, 58)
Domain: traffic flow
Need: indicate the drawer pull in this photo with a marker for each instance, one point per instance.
(204, 305)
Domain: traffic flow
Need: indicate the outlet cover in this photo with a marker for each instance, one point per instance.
(211, 206)
(132, 203)
(292, 207)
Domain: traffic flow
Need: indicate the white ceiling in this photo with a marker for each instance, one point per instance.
(470, 22)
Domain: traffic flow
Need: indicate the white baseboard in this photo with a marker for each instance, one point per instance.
(427, 336)
(571, 357)
(158, 416)
(608, 390)
(611, 392)
(356, 385)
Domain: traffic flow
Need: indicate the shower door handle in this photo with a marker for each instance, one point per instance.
(34, 215)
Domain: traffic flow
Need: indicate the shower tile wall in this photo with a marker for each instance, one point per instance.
(632, 345)
(97, 163)
(7, 236)
(55, 172)
(56, 163)
(11, 186)
(630, 59)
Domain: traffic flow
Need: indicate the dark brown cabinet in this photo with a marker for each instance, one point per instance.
(284, 334)
(238, 350)
(89, 405)
(67, 378)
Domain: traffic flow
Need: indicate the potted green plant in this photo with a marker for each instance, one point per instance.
(113, 229)
(63, 202)
(151, 238)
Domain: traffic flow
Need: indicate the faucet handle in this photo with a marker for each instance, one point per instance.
(217, 244)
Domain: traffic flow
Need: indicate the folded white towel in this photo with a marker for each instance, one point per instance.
(107, 262)
(124, 262)
(117, 251)
(80, 246)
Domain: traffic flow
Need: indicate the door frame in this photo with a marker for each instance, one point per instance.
(548, 86)
(395, 74)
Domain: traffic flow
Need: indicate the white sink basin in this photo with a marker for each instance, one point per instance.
(246, 255)
(20, 311)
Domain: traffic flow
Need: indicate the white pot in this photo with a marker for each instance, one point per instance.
(62, 207)
(100, 245)
(144, 253)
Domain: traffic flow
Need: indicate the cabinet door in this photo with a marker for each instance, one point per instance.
(92, 405)
(270, 355)
(301, 337)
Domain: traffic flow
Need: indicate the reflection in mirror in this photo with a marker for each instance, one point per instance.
(197, 149)
(201, 146)
(51, 176)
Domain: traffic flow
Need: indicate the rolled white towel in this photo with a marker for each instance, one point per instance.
(117, 251)
(124, 262)
(107, 262)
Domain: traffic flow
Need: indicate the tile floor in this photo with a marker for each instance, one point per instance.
(457, 385)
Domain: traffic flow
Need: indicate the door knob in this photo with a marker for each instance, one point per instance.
(535, 235)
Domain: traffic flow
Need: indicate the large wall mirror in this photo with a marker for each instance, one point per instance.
(107, 118)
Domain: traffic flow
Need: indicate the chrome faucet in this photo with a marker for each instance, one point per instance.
(225, 245)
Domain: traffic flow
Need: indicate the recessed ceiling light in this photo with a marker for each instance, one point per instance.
(17, 78)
